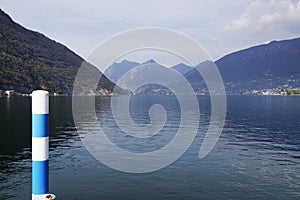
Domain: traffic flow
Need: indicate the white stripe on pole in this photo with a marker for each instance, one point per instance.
(40, 148)
(40, 102)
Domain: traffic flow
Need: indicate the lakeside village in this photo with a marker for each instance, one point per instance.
(105, 92)
(100, 92)
(281, 92)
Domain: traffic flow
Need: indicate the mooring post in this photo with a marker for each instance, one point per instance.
(40, 145)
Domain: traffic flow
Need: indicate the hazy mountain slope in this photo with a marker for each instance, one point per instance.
(272, 65)
(182, 68)
(268, 66)
(117, 70)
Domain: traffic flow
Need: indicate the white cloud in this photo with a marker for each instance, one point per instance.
(266, 17)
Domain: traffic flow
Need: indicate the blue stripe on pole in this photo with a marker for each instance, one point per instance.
(40, 177)
(40, 125)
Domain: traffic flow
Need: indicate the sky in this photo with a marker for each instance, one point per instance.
(219, 26)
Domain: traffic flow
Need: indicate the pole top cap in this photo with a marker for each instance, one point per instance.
(40, 92)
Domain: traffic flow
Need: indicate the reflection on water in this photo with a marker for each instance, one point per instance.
(257, 156)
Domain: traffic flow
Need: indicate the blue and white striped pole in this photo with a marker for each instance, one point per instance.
(40, 145)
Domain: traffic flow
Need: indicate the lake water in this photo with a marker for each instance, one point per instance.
(256, 157)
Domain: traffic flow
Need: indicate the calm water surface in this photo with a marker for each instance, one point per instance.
(257, 156)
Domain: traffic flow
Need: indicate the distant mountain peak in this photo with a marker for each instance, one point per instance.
(181, 64)
(125, 61)
(150, 61)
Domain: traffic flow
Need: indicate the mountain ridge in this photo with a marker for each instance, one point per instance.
(267, 66)
(118, 69)
(272, 66)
